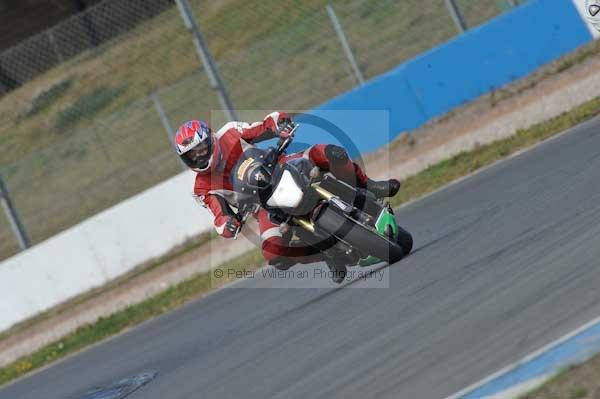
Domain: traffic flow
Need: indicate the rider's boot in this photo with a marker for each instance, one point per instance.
(338, 270)
(284, 262)
(340, 162)
(383, 188)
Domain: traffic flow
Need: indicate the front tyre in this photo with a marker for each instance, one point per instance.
(363, 239)
(405, 240)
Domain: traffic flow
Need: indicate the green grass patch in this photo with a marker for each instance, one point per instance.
(553, 380)
(567, 383)
(46, 98)
(87, 106)
(577, 392)
(105, 327)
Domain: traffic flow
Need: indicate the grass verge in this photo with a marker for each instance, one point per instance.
(87, 105)
(574, 382)
(190, 245)
(467, 162)
(414, 187)
(89, 334)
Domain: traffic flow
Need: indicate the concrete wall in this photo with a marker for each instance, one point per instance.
(99, 249)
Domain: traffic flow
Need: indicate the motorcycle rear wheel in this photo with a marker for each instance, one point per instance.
(363, 239)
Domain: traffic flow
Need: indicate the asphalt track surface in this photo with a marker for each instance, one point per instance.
(506, 261)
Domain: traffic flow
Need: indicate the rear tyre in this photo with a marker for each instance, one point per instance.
(361, 238)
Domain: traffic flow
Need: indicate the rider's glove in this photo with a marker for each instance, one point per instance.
(285, 128)
(274, 120)
(231, 227)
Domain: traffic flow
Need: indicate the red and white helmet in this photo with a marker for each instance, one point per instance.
(196, 146)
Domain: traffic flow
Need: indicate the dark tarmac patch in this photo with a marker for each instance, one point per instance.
(121, 388)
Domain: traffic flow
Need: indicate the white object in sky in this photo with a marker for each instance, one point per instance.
(591, 12)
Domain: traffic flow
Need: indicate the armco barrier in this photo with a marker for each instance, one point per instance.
(507, 48)
(149, 224)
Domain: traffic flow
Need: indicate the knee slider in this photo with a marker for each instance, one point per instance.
(272, 249)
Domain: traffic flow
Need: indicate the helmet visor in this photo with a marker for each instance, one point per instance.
(198, 156)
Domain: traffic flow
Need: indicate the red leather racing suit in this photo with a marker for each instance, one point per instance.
(213, 188)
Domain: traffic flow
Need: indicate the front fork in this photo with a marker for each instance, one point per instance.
(305, 223)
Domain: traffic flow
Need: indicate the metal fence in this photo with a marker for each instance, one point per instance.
(86, 121)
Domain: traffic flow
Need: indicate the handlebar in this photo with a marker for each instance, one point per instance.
(245, 213)
(283, 144)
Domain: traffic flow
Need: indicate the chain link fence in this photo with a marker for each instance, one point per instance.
(87, 106)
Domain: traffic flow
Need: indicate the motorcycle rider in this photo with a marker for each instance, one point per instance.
(212, 155)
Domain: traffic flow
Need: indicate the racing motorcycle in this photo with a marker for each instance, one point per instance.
(316, 209)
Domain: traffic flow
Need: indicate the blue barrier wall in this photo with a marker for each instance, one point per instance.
(508, 47)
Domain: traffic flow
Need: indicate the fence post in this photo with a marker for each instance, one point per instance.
(214, 77)
(7, 81)
(52, 40)
(164, 119)
(87, 23)
(345, 45)
(456, 15)
(162, 115)
(13, 217)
